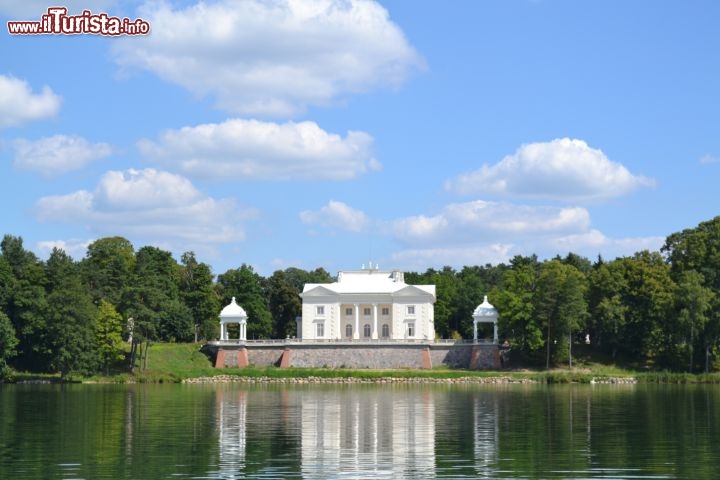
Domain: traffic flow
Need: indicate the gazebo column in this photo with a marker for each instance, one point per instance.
(495, 333)
(475, 331)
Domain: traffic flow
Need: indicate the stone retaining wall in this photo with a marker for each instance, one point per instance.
(416, 356)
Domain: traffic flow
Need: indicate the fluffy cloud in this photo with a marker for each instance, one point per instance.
(19, 105)
(75, 248)
(157, 206)
(337, 215)
(481, 221)
(57, 154)
(566, 169)
(254, 150)
(272, 58)
(480, 232)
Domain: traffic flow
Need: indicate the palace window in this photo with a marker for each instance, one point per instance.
(385, 311)
(348, 330)
(320, 310)
(385, 330)
(411, 309)
(349, 311)
(366, 311)
(411, 329)
(320, 329)
(366, 330)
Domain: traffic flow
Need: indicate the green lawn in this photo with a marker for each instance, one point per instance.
(174, 362)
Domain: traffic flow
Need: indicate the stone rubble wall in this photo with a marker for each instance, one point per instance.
(394, 356)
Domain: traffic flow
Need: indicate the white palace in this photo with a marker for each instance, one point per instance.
(367, 304)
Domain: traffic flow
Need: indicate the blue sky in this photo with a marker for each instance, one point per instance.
(332, 133)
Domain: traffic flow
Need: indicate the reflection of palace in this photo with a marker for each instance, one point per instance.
(485, 418)
(363, 432)
(358, 432)
(231, 418)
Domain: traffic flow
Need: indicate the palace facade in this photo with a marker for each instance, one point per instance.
(367, 304)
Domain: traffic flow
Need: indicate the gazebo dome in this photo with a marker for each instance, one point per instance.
(233, 310)
(232, 314)
(485, 310)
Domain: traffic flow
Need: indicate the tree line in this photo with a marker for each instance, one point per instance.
(658, 309)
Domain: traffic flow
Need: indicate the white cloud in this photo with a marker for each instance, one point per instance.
(57, 154)
(254, 150)
(480, 232)
(33, 9)
(337, 215)
(156, 206)
(75, 248)
(19, 105)
(565, 169)
(481, 221)
(272, 58)
(593, 242)
(457, 256)
(708, 158)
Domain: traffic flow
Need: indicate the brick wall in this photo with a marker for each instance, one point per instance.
(364, 356)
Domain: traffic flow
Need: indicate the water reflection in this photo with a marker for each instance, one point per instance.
(473, 432)
(367, 433)
(231, 420)
(146, 432)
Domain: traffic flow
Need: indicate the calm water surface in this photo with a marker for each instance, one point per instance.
(149, 432)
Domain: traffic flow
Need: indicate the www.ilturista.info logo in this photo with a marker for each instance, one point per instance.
(57, 22)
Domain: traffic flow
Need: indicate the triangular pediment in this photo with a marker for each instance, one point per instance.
(413, 291)
(318, 291)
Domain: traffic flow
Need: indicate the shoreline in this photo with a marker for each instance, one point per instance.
(313, 380)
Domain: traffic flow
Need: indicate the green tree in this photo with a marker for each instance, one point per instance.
(199, 295)
(698, 249)
(107, 268)
(608, 310)
(694, 302)
(631, 301)
(8, 344)
(298, 277)
(247, 288)
(514, 299)
(153, 301)
(560, 307)
(25, 303)
(284, 303)
(110, 326)
(71, 335)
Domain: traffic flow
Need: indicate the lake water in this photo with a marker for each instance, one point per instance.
(231, 431)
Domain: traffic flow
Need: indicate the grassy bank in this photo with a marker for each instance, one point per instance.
(172, 363)
(176, 362)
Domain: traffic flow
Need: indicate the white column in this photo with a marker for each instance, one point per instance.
(356, 330)
(374, 334)
(495, 335)
(223, 331)
(475, 331)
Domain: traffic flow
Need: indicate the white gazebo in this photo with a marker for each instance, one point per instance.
(485, 313)
(231, 314)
